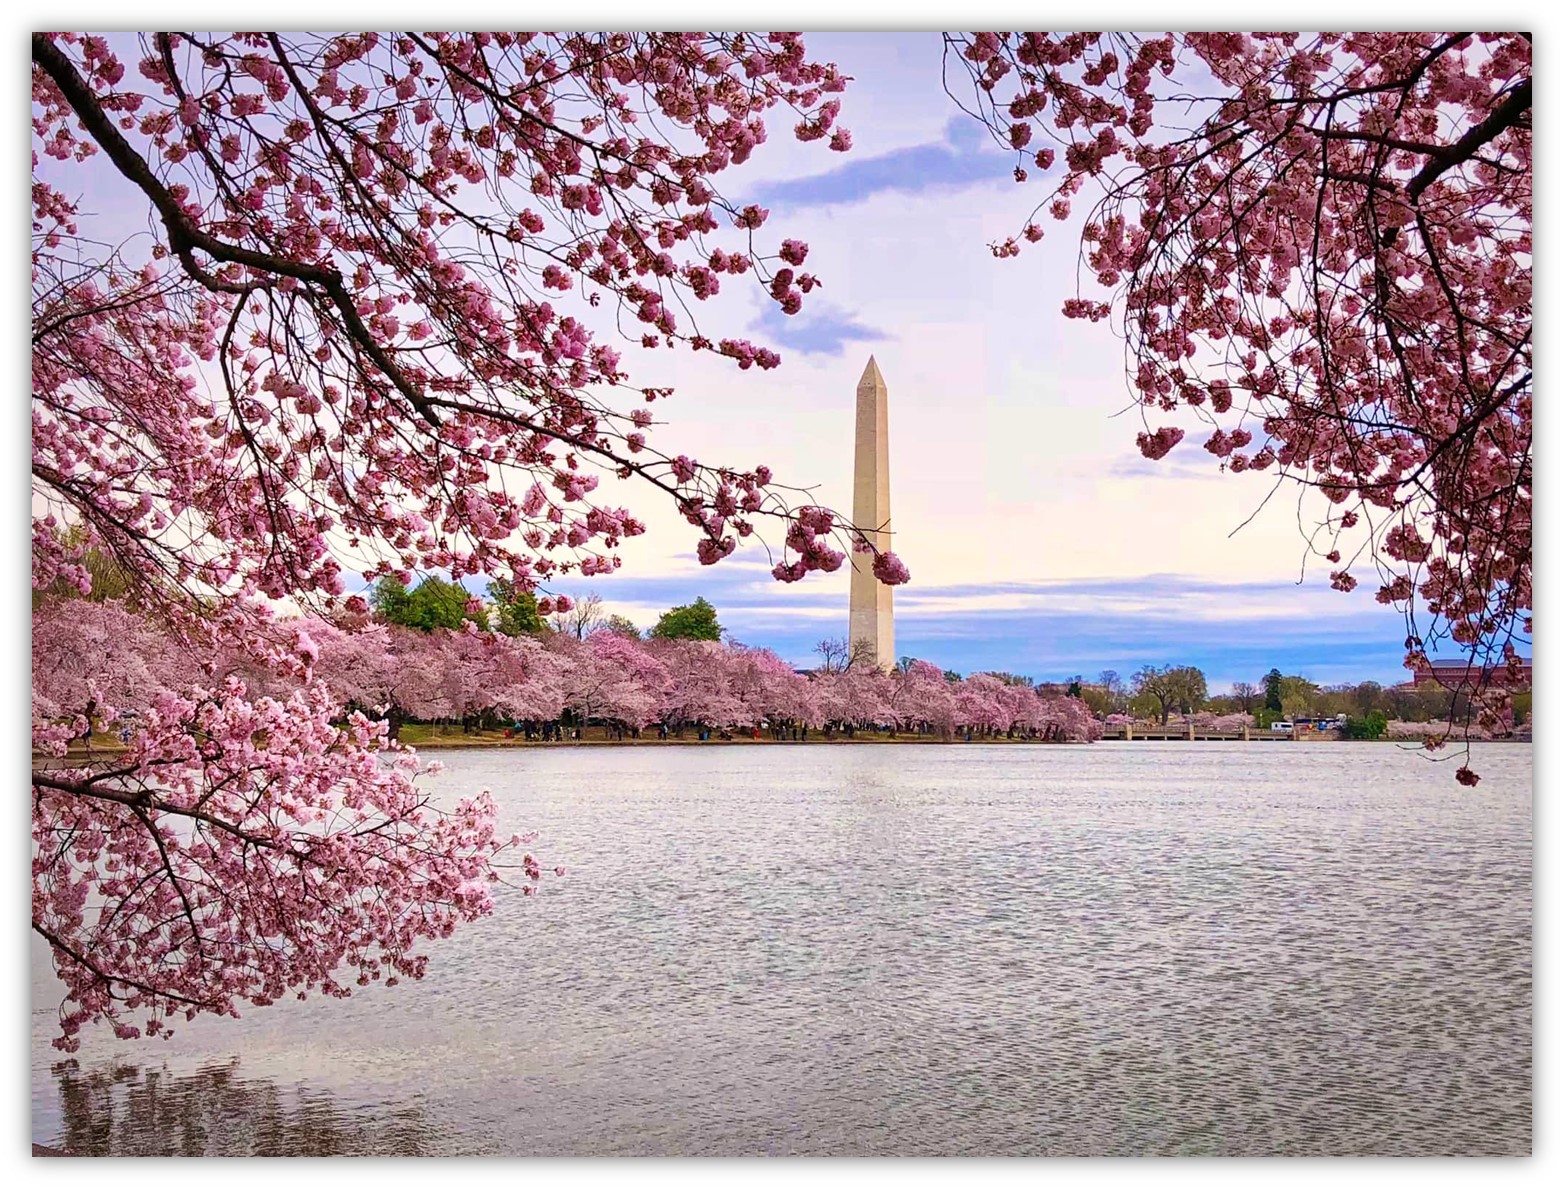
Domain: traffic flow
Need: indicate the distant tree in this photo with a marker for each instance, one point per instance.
(1097, 700)
(581, 618)
(621, 626)
(1427, 701)
(1367, 696)
(109, 580)
(1520, 707)
(690, 621)
(1299, 695)
(952, 675)
(1273, 691)
(1189, 688)
(1181, 687)
(839, 656)
(1075, 688)
(390, 600)
(1115, 694)
(833, 654)
(1005, 678)
(1246, 694)
(1370, 726)
(515, 611)
(1156, 688)
(433, 603)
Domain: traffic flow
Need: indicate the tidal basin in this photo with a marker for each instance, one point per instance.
(909, 949)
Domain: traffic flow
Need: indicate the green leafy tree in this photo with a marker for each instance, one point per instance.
(1161, 691)
(1273, 691)
(515, 611)
(392, 601)
(1008, 678)
(1520, 707)
(1153, 691)
(433, 603)
(1368, 695)
(109, 579)
(1189, 688)
(692, 621)
(1075, 688)
(1370, 726)
(1097, 700)
(1299, 695)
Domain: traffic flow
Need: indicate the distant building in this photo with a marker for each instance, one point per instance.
(1462, 674)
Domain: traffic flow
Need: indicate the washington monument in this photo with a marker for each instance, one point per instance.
(869, 607)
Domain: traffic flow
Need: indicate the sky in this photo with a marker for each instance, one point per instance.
(1040, 541)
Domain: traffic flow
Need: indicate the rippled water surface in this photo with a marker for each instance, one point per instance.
(903, 949)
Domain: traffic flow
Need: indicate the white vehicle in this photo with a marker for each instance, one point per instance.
(1280, 727)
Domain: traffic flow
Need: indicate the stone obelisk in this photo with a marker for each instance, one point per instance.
(869, 608)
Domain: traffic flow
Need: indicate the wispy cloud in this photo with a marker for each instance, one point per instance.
(1187, 461)
(818, 329)
(1054, 630)
(965, 156)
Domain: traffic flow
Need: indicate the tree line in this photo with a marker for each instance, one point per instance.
(1151, 692)
(1159, 692)
(100, 665)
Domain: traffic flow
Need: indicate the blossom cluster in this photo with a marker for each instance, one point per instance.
(361, 335)
(1319, 248)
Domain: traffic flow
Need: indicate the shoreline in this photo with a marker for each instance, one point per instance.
(496, 740)
(458, 744)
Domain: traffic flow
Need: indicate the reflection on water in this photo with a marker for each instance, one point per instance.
(122, 1110)
(1121, 949)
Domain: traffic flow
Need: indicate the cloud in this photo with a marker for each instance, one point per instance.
(966, 156)
(818, 329)
(1054, 630)
(1184, 463)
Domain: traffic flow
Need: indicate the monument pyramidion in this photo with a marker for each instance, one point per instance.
(869, 606)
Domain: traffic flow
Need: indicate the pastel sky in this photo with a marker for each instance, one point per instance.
(1039, 540)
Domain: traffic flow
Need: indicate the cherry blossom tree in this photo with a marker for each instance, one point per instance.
(921, 697)
(607, 676)
(981, 705)
(1225, 723)
(354, 335)
(92, 661)
(528, 681)
(144, 872)
(698, 691)
(1318, 248)
(365, 247)
(1066, 719)
(768, 688)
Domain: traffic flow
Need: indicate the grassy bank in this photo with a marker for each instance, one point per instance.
(433, 738)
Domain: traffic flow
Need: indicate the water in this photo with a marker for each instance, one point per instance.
(1116, 949)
